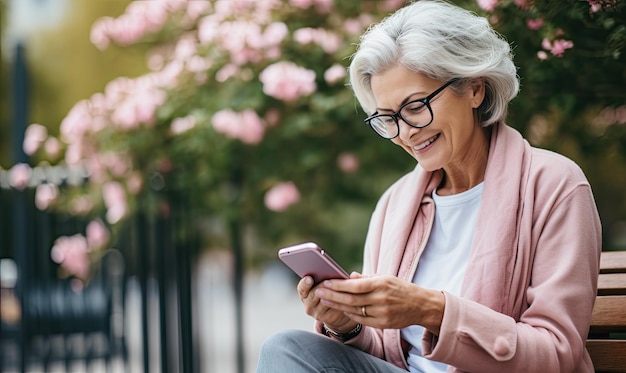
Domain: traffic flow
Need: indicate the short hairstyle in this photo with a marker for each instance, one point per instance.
(441, 41)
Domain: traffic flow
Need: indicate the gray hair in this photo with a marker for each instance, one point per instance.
(441, 41)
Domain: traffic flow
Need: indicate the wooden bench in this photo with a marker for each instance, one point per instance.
(607, 336)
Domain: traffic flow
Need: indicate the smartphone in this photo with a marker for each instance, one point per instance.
(308, 259)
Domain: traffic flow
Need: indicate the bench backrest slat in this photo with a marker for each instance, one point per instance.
(607, 355)
(613, 262)
(612, 284)
(609, 315)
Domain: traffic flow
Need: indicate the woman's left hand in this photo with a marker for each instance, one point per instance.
(384, 301)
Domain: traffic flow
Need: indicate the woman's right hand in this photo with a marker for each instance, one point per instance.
(333, 319)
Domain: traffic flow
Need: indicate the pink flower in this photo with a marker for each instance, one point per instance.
(97, 234)
(115, 201)
(348, 162)
(20, 175)
(488, 5)
(281, 196)
(521, 3)
(52, 147)
(246, 126)
(328, 41)
(77, 122)
(195, 9)
(352, 26)
(184, 124)
(594, 6)
(335, 74)
(287, 81)
(559, 46)
(34, 136)
(534, 24)
(139, 19)
(226, 72)
(274, 34)
(72, 254)
(45, 194)
(251, 128)
(542, 55)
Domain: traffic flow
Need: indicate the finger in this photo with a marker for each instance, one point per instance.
(358, 285)
(304, 287)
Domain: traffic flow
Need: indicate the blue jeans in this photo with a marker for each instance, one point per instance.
(296, 351)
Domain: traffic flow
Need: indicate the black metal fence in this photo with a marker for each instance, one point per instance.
(59, 326)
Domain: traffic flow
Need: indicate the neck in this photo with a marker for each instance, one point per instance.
(469, 171)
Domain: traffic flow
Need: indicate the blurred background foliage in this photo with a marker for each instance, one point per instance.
(572, 103)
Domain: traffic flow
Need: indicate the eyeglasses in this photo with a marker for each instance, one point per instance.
(416, 113)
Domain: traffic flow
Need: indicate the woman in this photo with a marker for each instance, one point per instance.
(485, 257)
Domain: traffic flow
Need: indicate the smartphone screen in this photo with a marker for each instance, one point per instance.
(308, 259)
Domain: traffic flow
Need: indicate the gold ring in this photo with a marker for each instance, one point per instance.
(363, 311)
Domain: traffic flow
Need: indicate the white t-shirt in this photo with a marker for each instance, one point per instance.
(444, 260)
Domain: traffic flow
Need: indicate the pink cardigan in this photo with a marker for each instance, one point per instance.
(531, 280)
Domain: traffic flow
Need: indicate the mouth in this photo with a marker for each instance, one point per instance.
(426, 143)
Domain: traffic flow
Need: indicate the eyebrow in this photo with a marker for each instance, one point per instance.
(406, 99)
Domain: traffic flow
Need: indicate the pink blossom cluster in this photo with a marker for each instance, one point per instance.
(281, 196)
(244, 30)
(556, 47)
(139, 19)
(329, 41)
(246, 125)
(19, 175)
(45, 195)
(114, 197)
(182, 125)
(490, 5)
(72, 253)
(322, 6)
(597, 5)
(287, 81)
(245, 41)
(125, 105)
(35, 136)
(97, 234)
(335, 74)
(348, 162)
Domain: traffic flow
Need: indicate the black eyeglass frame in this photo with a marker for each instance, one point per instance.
(396, 115)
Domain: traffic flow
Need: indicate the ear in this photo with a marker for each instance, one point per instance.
(477, 92)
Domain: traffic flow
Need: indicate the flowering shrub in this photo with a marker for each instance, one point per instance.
(246, 112)
(571, 58)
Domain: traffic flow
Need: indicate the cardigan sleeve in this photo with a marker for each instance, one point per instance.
(551, 332)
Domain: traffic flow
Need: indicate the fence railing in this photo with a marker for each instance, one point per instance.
(57, 324)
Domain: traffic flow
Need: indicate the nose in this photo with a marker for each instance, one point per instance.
(406, 131)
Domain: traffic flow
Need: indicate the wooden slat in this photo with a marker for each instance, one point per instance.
(609, 314)
(612, 284)
(607, 355)
(613, 262)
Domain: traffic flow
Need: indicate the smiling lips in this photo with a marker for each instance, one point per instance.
(426, 143)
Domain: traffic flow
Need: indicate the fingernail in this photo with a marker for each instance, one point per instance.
(319, 293)
(308, 281)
